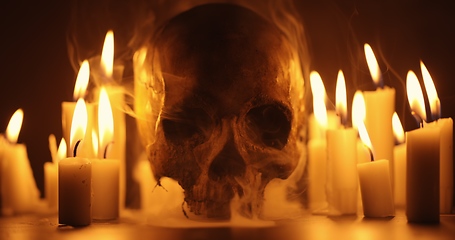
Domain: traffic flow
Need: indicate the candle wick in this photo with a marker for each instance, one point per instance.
(371, 154)
(105, 150)
(418, 119)
(76, 146)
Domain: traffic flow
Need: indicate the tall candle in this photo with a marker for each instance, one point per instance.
(422, 162)
(75, 176)
(106, 74)
(342, 183)
(68, 110)
(51, 172)
(399, 155)
(380, 106)
(445, 126)
(19, 191)
(105, 175)
(375, 185)
(317, 155)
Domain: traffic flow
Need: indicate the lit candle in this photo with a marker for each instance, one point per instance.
(422, 161)
(375, 185)
(358, 118)
(68, 110)
(342, 183)
(75, 176)
(105, 172)
(399, 164)
(380, 106)
(445, 126)
(317, 155)
(19, 191)
(51, 172)
(106, 75)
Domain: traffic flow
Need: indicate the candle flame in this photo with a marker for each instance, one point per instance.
(105, 121)
(432, 94)
(80, 87)
(107, 54)
(373, 65)
(61, 152)
(341, 100)
(358, 109)
(397, 127)
(365, 138)
(79, 123)
(318, 90)
(415, 97)
(14, 126)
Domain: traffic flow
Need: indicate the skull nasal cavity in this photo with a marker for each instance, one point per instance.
(228, 163)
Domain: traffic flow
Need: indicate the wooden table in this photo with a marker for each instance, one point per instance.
(133, 226)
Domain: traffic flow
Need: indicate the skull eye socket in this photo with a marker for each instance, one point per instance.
(269, 124)
(191, 126)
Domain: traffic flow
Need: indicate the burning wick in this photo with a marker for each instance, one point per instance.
(107, 148)
(418, 119)
(363, 133)
(76, 146)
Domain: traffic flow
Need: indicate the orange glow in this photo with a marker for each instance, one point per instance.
(373, 65)
(79, 123)
(340, 98)
(61, 152)
(415, 96)
(80, 87)
(14, 126)
(318, 90)
(107, 55)
(432, 94)
(105, 121)
(397, 127)
(358, 109)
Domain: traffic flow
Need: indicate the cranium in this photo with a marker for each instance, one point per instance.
(220, 106)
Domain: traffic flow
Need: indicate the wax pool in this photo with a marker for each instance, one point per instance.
(105, 184)
(74, 191)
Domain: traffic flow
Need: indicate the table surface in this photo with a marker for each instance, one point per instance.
(132, 225)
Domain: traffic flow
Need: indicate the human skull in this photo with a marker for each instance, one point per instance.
(219, 99)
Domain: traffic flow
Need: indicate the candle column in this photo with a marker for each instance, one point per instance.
(75, 176)
(19, 191)
(342, 182)
(105, 171)
(422, 161)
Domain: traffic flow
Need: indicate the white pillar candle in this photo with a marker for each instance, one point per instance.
(422, 175)
(317, 175)
(75, 176)
(105, 185)
(422, 161)
(19, 191)
(445, 126)
(376, 189)
(341, 171)
(379, 106)
(399, 156)
(51, 184)
(105, 170)
(51, 172)
(74, 191)
(399, 163)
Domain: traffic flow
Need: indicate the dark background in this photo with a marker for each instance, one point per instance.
(36, 71)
